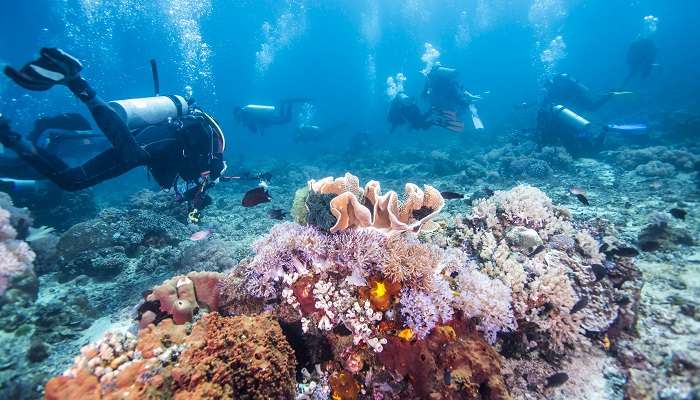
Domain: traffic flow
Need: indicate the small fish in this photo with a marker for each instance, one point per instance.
(451, 195)
(488, 192)
(537, 250)
(626, 252)
(256, 196)
(575, 190)
(557, 379)
(599, 271)
(580, 304)
(678, 213)
(656, 184)
(582, 198)
(201, 235)
(277, 213)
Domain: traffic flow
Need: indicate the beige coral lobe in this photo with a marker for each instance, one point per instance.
(368, 208)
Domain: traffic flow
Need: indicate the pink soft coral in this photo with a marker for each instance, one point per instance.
(16, 257)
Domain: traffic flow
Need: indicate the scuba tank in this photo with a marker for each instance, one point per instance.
(258, 110)
(570, 118)
(138, 113)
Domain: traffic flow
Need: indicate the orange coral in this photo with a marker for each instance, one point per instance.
(380, 293)
(303, 290)
(84, 386)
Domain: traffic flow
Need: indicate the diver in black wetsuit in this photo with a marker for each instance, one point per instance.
(641, 57)
(558, 121)
(258, 117)
(448, 98)
(404, 110)
(188, 147)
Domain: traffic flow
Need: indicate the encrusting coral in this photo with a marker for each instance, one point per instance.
(218, 357)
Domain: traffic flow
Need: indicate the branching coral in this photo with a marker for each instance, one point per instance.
(516, 236)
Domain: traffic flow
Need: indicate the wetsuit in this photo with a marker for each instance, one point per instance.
(444, 92)
(404, 110)
(640, 59)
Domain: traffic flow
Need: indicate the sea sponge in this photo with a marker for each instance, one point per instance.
(246, 356)
(83, 386)
(452, 362)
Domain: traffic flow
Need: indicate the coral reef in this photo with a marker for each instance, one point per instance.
(357, 299)
(102, 246)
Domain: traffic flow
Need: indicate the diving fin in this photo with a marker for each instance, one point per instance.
(54, 66)
(478, 125)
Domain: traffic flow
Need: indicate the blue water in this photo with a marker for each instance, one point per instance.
(340, 52)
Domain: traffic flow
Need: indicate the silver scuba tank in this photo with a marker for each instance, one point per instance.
(259, 110)
(570, 118)
(138, 113)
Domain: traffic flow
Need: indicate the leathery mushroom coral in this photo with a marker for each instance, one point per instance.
(369, 208)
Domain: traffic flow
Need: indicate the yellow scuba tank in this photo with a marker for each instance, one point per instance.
(138, 113)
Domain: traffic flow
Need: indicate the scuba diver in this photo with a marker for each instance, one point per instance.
(641, 54)
(559, 124)
(258, 117)
(307, 133)
(447, 96)
(404, 110)
(173, 139)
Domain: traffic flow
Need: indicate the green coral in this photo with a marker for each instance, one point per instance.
(299, 210)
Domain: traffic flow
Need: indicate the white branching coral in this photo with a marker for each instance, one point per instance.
(539, 277)
(486, 299)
